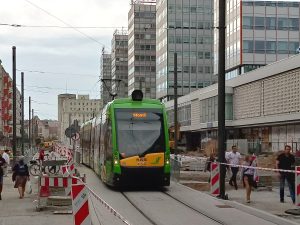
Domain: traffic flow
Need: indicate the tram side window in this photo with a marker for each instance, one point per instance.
(107, 141)
(109, 135)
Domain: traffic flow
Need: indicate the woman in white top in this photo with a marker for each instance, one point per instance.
(248, 176)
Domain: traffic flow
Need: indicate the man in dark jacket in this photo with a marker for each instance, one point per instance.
(286, 161)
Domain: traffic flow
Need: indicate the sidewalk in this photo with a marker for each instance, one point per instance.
(267, 201)
(15, 211)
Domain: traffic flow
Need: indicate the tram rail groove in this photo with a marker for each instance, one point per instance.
(196, 210)
(138, 209)
(177, 200)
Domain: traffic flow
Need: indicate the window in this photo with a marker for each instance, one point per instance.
(200, 55)
(207, 69)
(178, 39)
(270, 23)
(259, 46)
(193, 69)
(283, 23)
(282, 47)
(293, 46)
(193, 40)
(186, 69)
(248, 46)
(259, 23)
(207, 55)
(271, 47)
(200, 69)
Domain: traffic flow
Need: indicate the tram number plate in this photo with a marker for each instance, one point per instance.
(141, 161)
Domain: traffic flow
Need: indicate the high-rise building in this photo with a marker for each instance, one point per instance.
(257, 33)
(105, 73)
(71, 108)
(119, 63)
(141, 47)
(184, 27)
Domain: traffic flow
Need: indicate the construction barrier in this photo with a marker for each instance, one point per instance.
(80, 205)
(297, 186)
(215, 179)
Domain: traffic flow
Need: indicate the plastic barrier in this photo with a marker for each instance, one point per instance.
(215, 179)
(80, 205)
(297, 186)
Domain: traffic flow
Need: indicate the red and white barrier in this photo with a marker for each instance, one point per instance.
(80, 204)
(215, 178)
(68, 170)
(297, 186)
(47, 182)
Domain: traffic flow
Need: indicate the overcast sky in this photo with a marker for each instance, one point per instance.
(58, 50)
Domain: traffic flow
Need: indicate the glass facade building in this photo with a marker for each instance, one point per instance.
(257, 33)
(119, 63)
(184, 27)
(141, 48)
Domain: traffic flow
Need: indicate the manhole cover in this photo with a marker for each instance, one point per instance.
(224, 206)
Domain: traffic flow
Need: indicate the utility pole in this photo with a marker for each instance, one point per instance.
(22, 119)
(14, 103)
(221, 97)
(32, 129)
(29, 123)
(175, 105)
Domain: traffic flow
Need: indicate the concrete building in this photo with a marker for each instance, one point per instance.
(184, 27)
(141, 47)
(105, 73)
(257, 33)
(43, 129)
(262, 110)
(119, 63)
(71, 108)
(6, 110)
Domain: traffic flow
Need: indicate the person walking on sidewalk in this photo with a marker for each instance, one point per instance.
(234, 158)
(2, 164)
(5, 155)
(248, 176)
(22, 175)
(285, 161)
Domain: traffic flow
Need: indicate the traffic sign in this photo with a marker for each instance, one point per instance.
(70, 132)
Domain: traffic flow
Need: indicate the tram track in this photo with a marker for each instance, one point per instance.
(202, 214)
(196, 210)
(138, 209)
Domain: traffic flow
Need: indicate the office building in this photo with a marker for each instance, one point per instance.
(257, 33)
(184, 27)
(141, 47)
(105, 73)
(71, 108)
(119, 63)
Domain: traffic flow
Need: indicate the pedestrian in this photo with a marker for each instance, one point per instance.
(234, 158)
(22, 176)
(2, 164)
(5, 155)
(248, 176)
(285, 161)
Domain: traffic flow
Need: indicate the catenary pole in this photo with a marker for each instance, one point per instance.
(29, 123)
(14, 144)
(221, 97)
(175, 105)
(22, 116)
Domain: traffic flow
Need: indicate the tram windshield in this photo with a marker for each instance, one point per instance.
(139, 132)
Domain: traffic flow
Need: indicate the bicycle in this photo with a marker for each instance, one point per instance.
(35, 168)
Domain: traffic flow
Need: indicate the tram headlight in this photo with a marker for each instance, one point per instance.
(116, 162)
(167, 162)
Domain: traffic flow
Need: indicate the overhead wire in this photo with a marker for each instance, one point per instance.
(61, 27)
(56, 73)
(67, 24)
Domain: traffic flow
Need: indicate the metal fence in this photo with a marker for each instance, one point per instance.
(175, 169)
